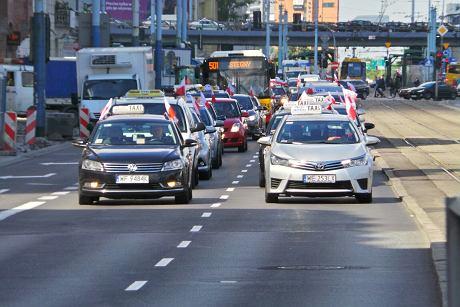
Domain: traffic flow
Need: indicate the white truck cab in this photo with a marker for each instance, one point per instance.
(19, 87)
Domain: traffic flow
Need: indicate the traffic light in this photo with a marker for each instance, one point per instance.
(438, 60)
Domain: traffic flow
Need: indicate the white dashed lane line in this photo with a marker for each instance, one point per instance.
(136, 285)
(230, 189)
(235, 182)
(252, 161)
(60, 193)
(50, 197)
(248, 165)
(2, 191)
(196, 228)
(184, 244)
(206, 214)
(164, 262)
(244, 171)
(216, 205)
(240, 176)
(24, 207)
(224, 196)
(254, 157)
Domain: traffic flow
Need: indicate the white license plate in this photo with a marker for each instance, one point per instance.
(132, 179)
(319, 178)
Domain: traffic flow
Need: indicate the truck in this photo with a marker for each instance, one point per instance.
(104, 73)
(60, 84)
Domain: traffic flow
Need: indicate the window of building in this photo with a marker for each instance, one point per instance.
(328, 4)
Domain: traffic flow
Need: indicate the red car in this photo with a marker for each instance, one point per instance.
(235, 130)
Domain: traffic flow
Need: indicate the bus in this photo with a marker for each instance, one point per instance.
(353, 68)
(245, 70)
(453, 74)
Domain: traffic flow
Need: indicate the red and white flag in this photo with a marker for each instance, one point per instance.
(106, 109)
(180, 91)
(251, 91)
(170, 111)
(299, 82)
(331, 100)
(350, 103)
(230, 90)
(336, 79)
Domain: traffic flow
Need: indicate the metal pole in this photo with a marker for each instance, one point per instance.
(158, 44)
(413, 12)
(96, 23)
(316, 36)
(40, 66)
(267, 27)
(280, 37)
(152, 22)
(179, 22)
(2, 106)
(135, 11)
(184, 20)
(285, 36)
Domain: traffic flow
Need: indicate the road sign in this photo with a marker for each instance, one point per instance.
(388, 44)
(442, 30)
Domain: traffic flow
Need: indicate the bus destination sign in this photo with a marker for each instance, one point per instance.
(235, 64)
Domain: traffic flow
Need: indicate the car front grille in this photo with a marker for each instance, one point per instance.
(318, 166)
(300, 185)
(141, 167)
(130, 186)
(275, 183)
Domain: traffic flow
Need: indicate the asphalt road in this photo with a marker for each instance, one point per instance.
(226, 248)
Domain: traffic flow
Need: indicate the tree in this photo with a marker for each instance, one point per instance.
(228, 10)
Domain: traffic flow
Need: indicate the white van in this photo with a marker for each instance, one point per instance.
(19, 87)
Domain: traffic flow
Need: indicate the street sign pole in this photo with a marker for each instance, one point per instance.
(135, 12)
(39, 66)
(316, 35)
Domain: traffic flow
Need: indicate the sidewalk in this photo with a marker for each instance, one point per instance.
(20, 156)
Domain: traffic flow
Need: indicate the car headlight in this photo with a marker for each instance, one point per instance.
(275, 160)
(92, 165)
(359, 161)
(173, 165)
(252, 118)
(235, 127)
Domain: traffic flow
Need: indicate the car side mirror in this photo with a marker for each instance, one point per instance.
(189, 143)
(74, 98)
(219, 123)
(264, 141)
(80, 143)
(372, 140)
(244, 114)
(221, 117)
(199, 127)
(369, 126)
(210, 130)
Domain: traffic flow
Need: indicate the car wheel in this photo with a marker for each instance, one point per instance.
(207, 175)
(271, 198)
(184, 197)
(255, 137)
(215, 161)
(221, 152)
(364, 197)
(364, 96)
(261, 179)
(197, 177)
(453, 96)
(243, 147)
(427, 95)
(86, 200)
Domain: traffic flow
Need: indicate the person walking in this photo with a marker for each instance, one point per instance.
(380, 87)
(397, 83)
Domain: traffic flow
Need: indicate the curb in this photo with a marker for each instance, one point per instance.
(435, 236)
(34, 154)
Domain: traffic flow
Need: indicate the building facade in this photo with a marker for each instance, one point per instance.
(14, 25)
(328, 10)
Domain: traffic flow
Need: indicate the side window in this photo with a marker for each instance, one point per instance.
(10, 78)
(179, 135)
(188, 116)
(27, 79)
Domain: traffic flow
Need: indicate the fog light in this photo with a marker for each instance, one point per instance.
(171, 184)
(93, 185)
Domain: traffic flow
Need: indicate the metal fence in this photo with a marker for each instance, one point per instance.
(2, 107)
(453, 251)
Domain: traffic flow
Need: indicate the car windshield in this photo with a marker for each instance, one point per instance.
(216, 94)
(159, 109)
(245, 102)
(227, 109)
(134, 133)
(204, 115)
(106, 89)
(317, 132)
(318, 88)
(278, 91)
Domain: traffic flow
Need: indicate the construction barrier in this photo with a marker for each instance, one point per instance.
(10, 130)
(31, 125)
(84, 122)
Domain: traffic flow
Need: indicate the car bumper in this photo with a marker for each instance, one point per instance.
(157, 186)
(289, 181)
(233, 139)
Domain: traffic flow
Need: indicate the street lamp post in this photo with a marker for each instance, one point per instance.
(316, 36)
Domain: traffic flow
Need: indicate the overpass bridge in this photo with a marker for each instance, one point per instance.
(295, 38)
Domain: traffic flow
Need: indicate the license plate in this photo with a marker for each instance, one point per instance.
(132, 179)
(319, 178)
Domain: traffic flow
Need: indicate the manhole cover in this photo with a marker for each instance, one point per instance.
(313, 268)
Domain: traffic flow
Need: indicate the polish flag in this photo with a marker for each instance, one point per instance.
(229, 91)
(251, 91)
(213, 98)
(106, 109)
(350, 104)
(336, 79)
(331, 101)
(180, 91)
(299, 82)
(170, 111)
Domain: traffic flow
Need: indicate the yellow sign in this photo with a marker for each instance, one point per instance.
(445, 45)
(442, 30)
(388, 44)
(144, 94)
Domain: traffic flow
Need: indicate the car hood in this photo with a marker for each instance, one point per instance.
(132, 154)
(319, 152)
(228, 123)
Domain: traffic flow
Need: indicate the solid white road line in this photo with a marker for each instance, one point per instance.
(28, 177)
(230, 189)
(184, 244)
(240, 176)
(59, 163)
(136, 285)
(252, 161)
(196, 228)
(4, 191)
(164, 262)
(206, 214)
(235, 182)
(216, 205)
(71, 188)
(60, 193)
(228, 281)
(50, 197)
(27, 206)
(224, 196)
(244, 170)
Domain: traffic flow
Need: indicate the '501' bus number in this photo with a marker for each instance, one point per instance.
(213, 65)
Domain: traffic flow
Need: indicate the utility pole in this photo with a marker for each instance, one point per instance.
(96, 22)
(179, 22)
(285, 36)
(158, 45)
(280, 37)
(267, 27)
(315, 8)
(152, 23)
(39, 55)
(185, 17)
(135, 11)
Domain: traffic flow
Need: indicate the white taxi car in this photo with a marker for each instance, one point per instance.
(318, 155)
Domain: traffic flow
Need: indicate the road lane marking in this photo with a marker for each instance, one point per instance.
(60, 193)
(28, 177)
(224, 196)
(252, 161)
(228, 281)
(136, 285)
(230, 189)
(164, 262)
(206, 214)
(4, 191)
(71, 188)
(27, 206)
(255, 157)
(216, 205)
(50, 197)
(240, 176)
(235, 182)
(248, 165)
(184, 244)
(59, 163)
(244, 171)
(196, 228)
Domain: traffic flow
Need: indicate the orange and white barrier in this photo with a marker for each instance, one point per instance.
(10, 131)
(31, 125)
(84, 121)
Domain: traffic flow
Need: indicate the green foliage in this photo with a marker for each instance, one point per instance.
(228, 10)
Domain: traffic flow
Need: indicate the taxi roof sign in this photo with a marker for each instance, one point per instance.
(144, 94)
(128, 109)
(306, 109)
